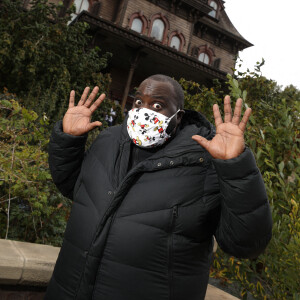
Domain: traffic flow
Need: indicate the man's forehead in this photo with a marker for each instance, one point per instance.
(151, 87)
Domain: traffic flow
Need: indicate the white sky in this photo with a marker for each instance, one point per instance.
(273, 27)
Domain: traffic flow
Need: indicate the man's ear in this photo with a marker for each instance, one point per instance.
(180, 116)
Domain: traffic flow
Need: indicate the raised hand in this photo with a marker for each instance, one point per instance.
(77, 120)
(229, 139)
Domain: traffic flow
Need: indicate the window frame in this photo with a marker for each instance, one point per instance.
(205, 55)
(207, 50)
(181, 38)
(216, 11)
(160, 39)
(131, 27)
(90, 6)
(144, 20)
(166, 23)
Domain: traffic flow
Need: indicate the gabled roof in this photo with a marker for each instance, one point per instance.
(225, 26)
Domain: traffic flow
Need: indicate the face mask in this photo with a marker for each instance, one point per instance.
(147, 128)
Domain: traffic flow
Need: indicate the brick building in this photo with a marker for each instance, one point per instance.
(193, 39)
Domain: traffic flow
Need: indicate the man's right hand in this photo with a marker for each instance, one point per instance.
(77, 120)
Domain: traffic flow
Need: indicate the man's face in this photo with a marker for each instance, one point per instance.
(159, 97)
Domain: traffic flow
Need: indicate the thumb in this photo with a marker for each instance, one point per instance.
(93, 125)
(201, 141)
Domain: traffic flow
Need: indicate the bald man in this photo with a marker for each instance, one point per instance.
(150, 194)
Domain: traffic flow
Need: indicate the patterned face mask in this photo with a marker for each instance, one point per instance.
(147, 128)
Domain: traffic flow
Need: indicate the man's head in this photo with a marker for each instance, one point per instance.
(162, 94)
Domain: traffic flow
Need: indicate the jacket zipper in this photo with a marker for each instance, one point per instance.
(170, 250)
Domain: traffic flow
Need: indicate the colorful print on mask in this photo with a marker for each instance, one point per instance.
(147, 128)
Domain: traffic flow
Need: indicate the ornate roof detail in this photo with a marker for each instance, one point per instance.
(147, 42)
(200, 5)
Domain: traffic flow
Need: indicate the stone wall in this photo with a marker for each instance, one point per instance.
(26, 268)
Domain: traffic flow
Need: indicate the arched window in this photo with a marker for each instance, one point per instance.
(137, 25)
(204, 57)
(81, 5)
(214, 6)
(138, 22)
(158, 28)
(175, 42)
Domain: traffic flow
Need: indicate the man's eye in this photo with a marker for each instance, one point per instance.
(156, 106)
(138, 102)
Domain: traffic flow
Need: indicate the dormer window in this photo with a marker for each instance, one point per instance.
(158, 28)
(214, 7)
(137, 25)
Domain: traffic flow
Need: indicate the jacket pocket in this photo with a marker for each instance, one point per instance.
(171, 249)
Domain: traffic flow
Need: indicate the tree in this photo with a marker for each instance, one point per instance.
(42, 58)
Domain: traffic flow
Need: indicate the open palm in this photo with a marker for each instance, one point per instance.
(77, 120)
(229, 139)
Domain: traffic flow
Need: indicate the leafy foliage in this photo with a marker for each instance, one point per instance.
(273, 135)
(31, 208)
(42, 58)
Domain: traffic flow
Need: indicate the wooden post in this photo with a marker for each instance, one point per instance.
(133, 65)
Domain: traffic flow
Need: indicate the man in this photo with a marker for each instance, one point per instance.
(150, 194)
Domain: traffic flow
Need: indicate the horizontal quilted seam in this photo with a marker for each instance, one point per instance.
(135, 267)
(253, 174)
(229, 233)
(242, 250)
(146, 212)
(252, 211)
(146, 225)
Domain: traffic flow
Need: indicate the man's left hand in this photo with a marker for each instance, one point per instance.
(229, 139)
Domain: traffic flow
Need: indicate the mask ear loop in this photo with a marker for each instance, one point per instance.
(169, 120)
(174, 114)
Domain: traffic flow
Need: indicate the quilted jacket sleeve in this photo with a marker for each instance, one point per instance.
(66, 154)
(245, 222)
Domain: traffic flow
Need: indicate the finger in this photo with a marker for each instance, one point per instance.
(237, 112)
(245, 119)
(91, 97)
(93, 125)
(97, 103)
(217, 115)
(227, 109)
(201, 141)
(84, 95)
(72, 99)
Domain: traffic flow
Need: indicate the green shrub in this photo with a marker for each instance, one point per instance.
(31, 208)
(273, 135)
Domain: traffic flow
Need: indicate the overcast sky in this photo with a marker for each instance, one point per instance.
(273, 26)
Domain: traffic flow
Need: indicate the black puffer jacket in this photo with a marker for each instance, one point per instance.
(147, 234)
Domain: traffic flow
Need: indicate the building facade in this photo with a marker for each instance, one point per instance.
(193, 39)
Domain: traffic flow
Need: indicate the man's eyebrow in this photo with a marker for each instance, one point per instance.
(158, 97)
(161, 97)
(137, 93)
